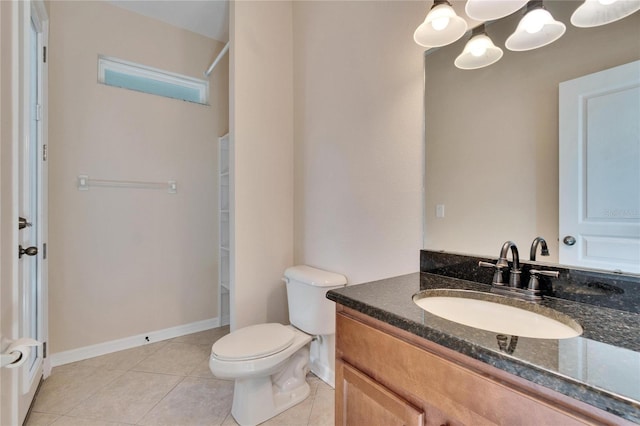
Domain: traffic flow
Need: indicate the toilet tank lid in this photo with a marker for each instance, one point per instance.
(313, 276)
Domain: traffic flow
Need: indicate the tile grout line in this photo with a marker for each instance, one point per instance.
(138, 422)
(184, 377)
(313, 402)
(99, 388)
(93, 392)
(119, 372)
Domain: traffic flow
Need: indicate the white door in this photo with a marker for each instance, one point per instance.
(600, 170)
(24, 202)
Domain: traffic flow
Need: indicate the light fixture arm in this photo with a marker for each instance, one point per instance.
(439, 2)
(480, 29)
(534, 4)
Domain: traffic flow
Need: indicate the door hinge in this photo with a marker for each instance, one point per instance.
(44, 251)
(44, 349)
(44, 152)
(38, 112)
(44, 54)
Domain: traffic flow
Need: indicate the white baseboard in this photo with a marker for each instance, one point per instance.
(225, 320)
(324, 373)
(79, 354)
(46, 368)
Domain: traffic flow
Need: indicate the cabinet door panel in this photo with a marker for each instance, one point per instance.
(365, 401)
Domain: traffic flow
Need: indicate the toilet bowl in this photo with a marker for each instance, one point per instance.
(269, 362)
(258, 348)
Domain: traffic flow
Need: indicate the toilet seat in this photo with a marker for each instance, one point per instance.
(254, 341)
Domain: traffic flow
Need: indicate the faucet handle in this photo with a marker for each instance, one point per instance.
(534, 283)
(554, 274)
(497, 275)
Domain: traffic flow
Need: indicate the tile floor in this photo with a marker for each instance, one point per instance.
(148, 386)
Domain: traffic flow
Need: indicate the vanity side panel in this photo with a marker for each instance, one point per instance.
(445, 385)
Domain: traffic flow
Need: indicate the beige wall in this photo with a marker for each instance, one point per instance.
(261, 120)
(492, 135)
(126, 261)
(358, 137)
(358, 155)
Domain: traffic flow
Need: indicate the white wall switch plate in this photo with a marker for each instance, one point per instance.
(83, 183)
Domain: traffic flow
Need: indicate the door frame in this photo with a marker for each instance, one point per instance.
(41, 19)
(33, 11)
(14, 113)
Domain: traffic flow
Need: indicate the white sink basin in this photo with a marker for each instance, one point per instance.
(498, 314)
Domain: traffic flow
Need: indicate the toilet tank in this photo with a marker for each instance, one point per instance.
(309, 309)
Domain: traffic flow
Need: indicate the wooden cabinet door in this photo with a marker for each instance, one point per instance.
(451, 389)
(362, 401)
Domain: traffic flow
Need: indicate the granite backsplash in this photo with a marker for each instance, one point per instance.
(611, 290)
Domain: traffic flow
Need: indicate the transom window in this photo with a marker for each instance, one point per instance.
(141, 78)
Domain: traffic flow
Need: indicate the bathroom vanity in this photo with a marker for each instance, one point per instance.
(399, 364)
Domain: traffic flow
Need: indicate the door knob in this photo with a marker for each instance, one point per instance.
(569, 240)
(22, 223)
(29, 251)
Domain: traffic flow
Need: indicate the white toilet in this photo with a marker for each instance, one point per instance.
(269, 362)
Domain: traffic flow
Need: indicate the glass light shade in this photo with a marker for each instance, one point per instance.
(488, 10)
(441, 27)
(593, 13)
(537, 28)
(479, 52)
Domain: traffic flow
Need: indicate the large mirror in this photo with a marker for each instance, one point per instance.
(491, 134)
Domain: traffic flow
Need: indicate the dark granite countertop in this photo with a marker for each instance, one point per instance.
(600, 368)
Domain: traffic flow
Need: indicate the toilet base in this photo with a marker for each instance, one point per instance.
(262, 404)
(257, 399)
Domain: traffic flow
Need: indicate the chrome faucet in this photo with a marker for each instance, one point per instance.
(544, 251)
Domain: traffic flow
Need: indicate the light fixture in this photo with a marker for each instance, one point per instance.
(488, 10)
(441, 26)
(537, 28)
(600, 12)
(479, 51)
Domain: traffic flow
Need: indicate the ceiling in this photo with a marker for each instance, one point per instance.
(211, 17)
(207, 17)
